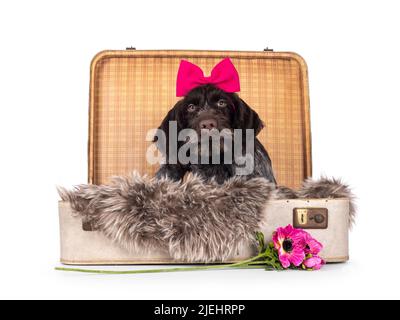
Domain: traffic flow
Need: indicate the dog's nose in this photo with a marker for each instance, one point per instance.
(208, 124)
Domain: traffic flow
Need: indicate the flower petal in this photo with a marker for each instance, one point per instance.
(312, 262)
(284, 259)
(317, 267)
(315, 263)
(275, 240)
(297, 256)
(312, 245)
(279, 236)
(297, 237)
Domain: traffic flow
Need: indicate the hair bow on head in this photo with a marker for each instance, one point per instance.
(224, 76)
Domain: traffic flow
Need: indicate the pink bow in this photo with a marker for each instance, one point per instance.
(224, 76)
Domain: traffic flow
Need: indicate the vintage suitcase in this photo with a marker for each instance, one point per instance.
(130, 93)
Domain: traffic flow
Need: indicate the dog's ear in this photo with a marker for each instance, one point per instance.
(173, 115)
(246, 118)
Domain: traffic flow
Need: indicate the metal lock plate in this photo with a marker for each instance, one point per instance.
(310, 218)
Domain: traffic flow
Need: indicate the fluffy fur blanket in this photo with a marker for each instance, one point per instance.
(195, 221)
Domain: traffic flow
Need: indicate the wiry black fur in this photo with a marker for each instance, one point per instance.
(202, 103)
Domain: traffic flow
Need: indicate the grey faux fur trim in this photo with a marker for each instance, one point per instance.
(194, 220)
(328, 188)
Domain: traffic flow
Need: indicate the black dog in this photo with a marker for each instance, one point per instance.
(205, 108)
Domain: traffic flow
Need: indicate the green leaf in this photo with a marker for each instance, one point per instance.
(261, 241)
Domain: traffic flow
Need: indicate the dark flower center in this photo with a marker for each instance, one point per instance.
(287, 245)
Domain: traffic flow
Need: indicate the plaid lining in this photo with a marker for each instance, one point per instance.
(132, 91)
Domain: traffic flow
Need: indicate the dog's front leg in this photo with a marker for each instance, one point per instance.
(171, 171)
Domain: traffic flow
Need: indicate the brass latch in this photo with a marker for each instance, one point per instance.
(310, 218)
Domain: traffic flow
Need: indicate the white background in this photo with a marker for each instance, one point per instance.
(352, 49)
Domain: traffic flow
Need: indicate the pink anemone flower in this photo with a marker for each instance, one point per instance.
(312, 246)
(313, 262)
(289, 242)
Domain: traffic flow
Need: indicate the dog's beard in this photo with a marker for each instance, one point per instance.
(213, 144)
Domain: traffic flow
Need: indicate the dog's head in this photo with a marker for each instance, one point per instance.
(207, 107)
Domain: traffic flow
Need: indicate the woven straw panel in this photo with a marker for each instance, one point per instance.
(131, 92)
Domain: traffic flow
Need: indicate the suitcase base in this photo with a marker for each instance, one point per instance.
(79, 247)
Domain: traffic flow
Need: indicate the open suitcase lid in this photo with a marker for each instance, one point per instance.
(131, 91)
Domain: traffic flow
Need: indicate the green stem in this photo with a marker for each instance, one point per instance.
(239, 264)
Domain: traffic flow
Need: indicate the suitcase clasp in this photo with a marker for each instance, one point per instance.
(310, 218)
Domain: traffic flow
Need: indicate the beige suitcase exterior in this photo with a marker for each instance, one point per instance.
(93, 248)
(131, 91)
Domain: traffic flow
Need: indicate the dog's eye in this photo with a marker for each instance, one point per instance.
(191, 107)
(222, 103)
